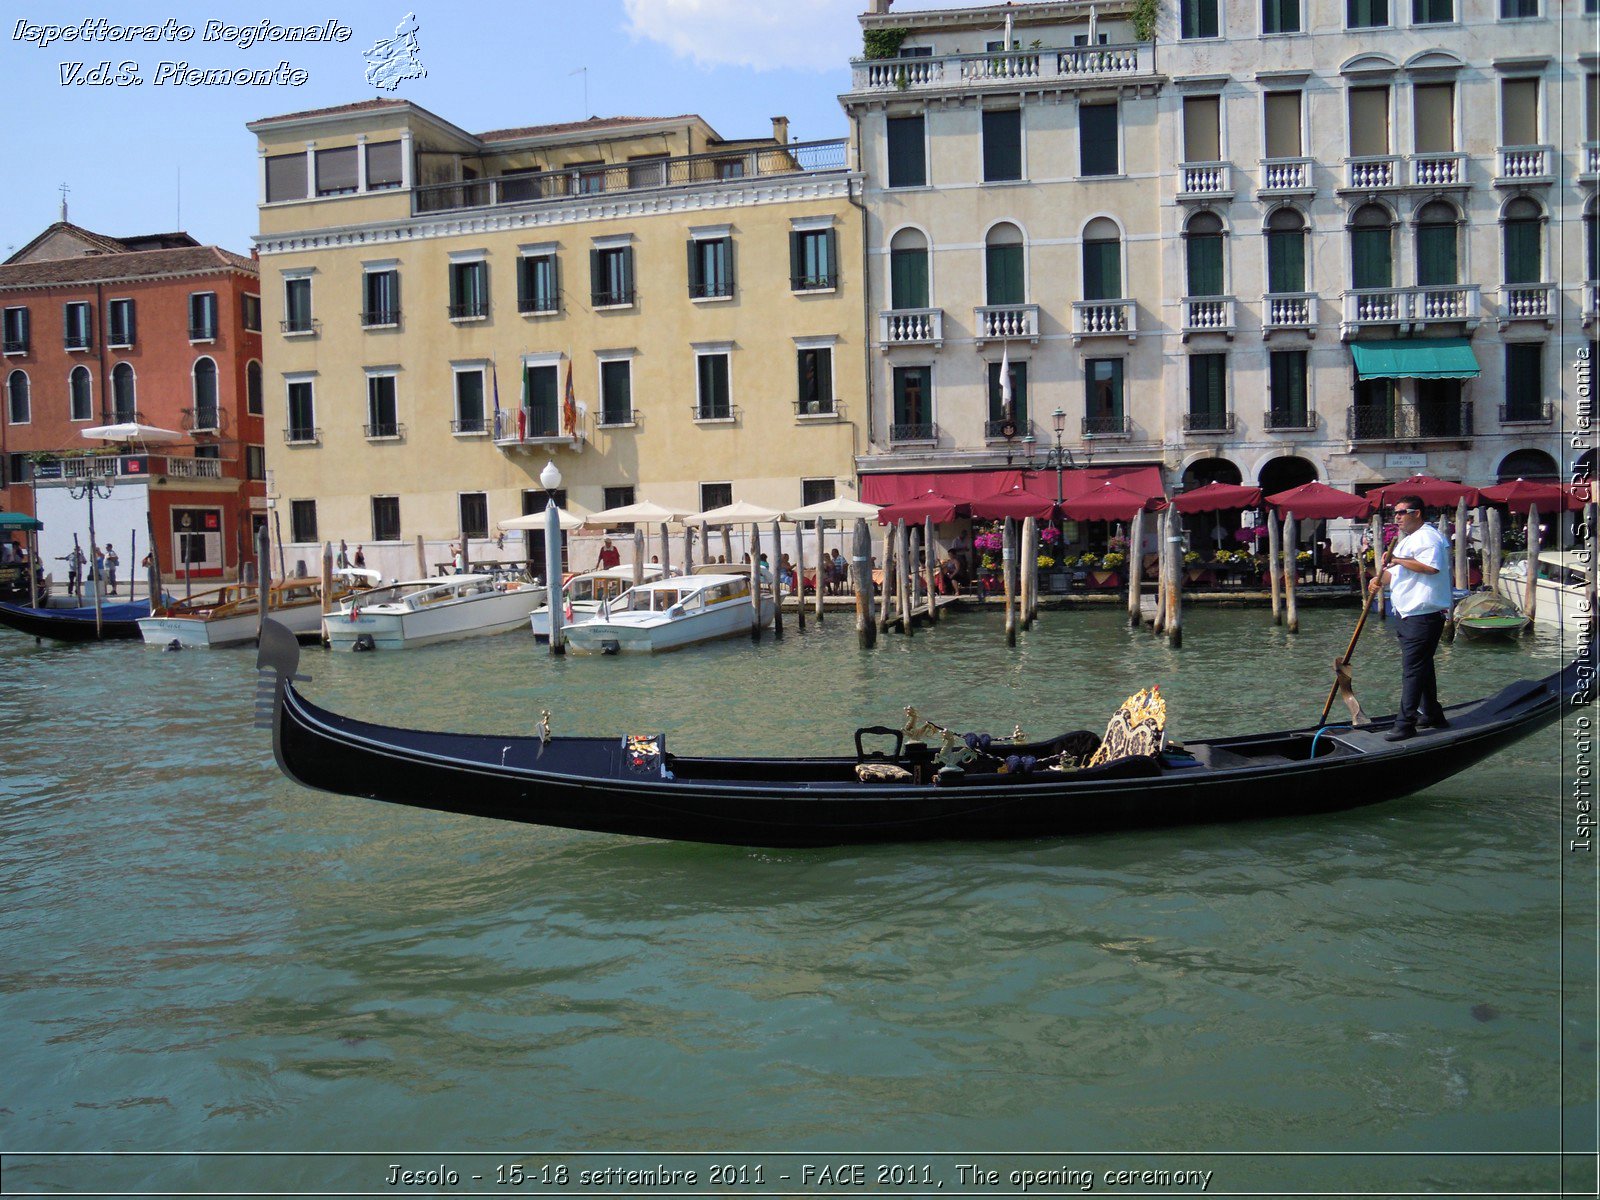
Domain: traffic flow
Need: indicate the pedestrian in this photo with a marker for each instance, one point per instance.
(361, 558)
(610, 556)
(343, 560)
(99, 566)
(458, 558)
(1419, 591)
(111, 561)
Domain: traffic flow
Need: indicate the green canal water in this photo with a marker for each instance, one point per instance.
(201, 959)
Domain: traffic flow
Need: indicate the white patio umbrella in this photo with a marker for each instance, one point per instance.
(568, 521)
(132, 431)
(837, 509)
(740, 512)
(642, 513)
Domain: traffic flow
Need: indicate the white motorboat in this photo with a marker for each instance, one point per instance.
(675, 611)
(419, 612)
(585, 594)
(1561, 590)
(229, 615)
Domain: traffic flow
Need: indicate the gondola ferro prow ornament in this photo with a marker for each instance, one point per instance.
(279, 653)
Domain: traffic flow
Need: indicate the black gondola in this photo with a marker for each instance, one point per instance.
(118, 622)
(631, 785)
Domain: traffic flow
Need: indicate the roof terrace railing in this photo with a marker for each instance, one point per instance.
(641, 175)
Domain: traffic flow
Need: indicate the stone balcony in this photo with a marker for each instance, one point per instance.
(1525, 166)
(530, 428)
(1202, 181)
(1591, 302)
(1005, 322)
(1443, 170)
(1409, 308)
(1285, 177)
(1387, 172)
(1104, 318)
(911, 327)
(1073, 67)
(1526, 302)
(1287, 312)
(1209, 314)
(1589, 164)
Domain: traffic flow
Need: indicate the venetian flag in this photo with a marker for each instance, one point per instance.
(569, 407)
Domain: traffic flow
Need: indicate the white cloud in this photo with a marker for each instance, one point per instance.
(817, 35)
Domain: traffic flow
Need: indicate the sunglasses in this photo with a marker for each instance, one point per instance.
(1406, 512)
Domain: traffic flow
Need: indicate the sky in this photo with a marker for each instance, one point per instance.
(156, 156)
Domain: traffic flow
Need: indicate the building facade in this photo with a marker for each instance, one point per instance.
(157, 331)
(664, 314)
(1258, 240)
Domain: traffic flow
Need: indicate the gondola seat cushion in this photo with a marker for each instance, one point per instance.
(1135, 729)
(882, 773)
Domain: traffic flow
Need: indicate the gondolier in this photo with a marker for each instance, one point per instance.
(1419, 590)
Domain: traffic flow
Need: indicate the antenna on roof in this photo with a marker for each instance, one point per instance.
(64, 190)
(584, 71)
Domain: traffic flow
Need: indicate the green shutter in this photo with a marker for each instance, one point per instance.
(1436, 255)
(1208, 395)
(597, 278)
(1371, 266)
(1097, 139)
(1286, 261)
(1205, 265)
(1002, 144)
(908, 279)
(1522, 252)
(1102, 270)
(907, 153)
(1005, 275)
(1524, 381)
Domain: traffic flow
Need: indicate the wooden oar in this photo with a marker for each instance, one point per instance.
(1349, 651)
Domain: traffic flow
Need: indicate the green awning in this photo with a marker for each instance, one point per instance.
(10, 521)
(1416, 358)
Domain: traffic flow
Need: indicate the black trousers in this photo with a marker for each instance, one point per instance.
(1419, 688)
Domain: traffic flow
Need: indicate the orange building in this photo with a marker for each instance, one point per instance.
(157, 331)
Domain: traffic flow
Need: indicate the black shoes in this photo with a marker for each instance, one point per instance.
(1437, 723)
(1400, 733)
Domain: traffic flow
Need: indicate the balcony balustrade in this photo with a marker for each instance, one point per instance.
(383, 431)
(193, 468)
(1371, 174)
(302, 435)
(1590, 163)
(1439, 170)
(1208, 314)
(1591, 302)
(530, 427)
(1450, 303)
(1003, 322)
(911, 327)
(1409, 308)
(1521, 166)
(1287, 311)
(1097, 318)
(1286, 177)
(1007, 428)
(468, 426)
(1079, 64)
(204, 419)
(1527, 302)
(697, 170)
(1205, 181)
(1412, 422)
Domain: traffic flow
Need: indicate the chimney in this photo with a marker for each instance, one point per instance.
(879, 8)
(780, 130)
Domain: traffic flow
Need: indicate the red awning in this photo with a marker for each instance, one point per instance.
(1434, 493)
(1017, 503)
(930, 505)
(965, 486)
(1318, 502)
(1109, 502)
(1519, 494)
(1218, 497)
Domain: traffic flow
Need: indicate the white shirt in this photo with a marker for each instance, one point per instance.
(1414, 592)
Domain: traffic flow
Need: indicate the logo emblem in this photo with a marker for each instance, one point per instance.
(392, 60)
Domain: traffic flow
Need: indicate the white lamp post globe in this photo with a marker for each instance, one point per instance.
(550, 477)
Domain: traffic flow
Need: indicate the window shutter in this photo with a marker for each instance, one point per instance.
(286, 177)
(727, 249)
(337, 170)
(1205, 265)
(383, 165)
(1002, 144)
(1522, 263)
(697, 283)
(796, 265)
(597, 279)
(1369, 254)
(1097, 139)
(1436, 254)
(907, 159)
(1286, 261)
(627, 274)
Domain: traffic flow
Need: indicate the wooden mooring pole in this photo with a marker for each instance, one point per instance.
(1291, 571)
(1135, 569)
(861, 569)
(1274, 564)
(1008, 566)
(1174, 545)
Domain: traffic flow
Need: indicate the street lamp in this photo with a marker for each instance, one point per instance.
(1058, 456)
(550, 480)
(92, 488)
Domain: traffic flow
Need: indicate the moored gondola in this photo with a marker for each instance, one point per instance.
(634, 785)
(118, 622)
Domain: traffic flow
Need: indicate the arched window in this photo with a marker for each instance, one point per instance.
(1286, 252)
(1203, 238)
(1003, 265)
(124, 404)
(908, 270)
(1437, 257)
(1102, 260)
(205, 394)
(1523, 231)
(19, 408)
(254, 397)
(81, 392)
(1371, 248)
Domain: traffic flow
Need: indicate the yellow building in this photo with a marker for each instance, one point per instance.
(667, 315)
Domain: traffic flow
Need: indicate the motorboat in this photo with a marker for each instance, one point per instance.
(671, 612)
(902, 789)
(1562, 596)
(586, 593)
(419, 612)
(230, 615)
(1483, 616)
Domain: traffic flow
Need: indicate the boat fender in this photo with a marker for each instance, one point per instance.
(364, 642)
(610, 646)
(174, 644)
(1018, 764)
